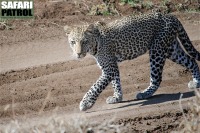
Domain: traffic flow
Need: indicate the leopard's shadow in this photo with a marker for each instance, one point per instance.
(160, 98)
(156, 99)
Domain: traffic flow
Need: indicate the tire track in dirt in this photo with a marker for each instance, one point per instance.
(27, 54)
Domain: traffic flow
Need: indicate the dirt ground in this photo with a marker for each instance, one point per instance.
(40, 77)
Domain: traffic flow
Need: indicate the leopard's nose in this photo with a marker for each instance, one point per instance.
(79, 55)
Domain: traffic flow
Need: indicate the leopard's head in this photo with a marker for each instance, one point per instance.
(83, 39)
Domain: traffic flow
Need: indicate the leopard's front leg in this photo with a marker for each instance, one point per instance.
(108, 74)
(118, 95)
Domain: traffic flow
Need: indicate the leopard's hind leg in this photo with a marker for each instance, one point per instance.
(157, 61)
(176, 54)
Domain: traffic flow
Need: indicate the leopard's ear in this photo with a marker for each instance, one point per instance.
(67, 29)
(90, 30)
(100, 23)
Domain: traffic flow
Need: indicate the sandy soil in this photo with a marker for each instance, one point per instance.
(39, 77)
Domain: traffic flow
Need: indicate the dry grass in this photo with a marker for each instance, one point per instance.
(4, 24)
(191, 122)
(103, 9)
(57, 124)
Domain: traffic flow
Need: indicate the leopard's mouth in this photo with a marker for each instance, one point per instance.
(81, 55)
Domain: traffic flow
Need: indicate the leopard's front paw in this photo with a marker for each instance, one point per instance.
(85, 105)
(193, 85)
(113, 99)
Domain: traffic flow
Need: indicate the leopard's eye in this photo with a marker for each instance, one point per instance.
(73, 42)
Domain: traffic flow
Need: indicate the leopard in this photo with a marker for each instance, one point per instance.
(160, 35)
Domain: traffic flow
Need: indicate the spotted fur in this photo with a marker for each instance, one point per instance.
(126, 39)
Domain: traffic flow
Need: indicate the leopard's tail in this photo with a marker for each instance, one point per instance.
(187, 44)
